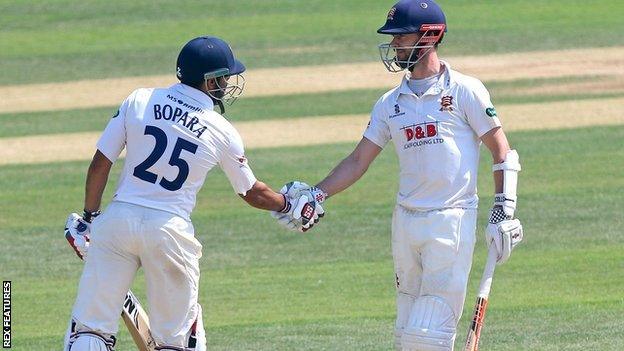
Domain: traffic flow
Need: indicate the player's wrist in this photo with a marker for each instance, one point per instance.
(287, 205)
(89, 215)
(320, 195)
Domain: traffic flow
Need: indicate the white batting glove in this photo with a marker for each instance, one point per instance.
(286, 221)
(77, 232)
(503, 232)
(303, 206)
(296, 188)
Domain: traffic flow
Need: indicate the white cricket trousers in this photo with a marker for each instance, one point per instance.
(124, 238)
(432, 253)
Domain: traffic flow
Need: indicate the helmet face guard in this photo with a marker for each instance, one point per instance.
(231, 91)
(431, 35)
(205, 58)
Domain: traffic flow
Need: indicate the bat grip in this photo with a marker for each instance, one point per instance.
(488, 273)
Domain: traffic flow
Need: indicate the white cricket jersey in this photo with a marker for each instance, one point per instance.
(172, 138)
(436, 137)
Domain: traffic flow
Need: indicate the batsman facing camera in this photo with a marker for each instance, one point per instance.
(435, 119)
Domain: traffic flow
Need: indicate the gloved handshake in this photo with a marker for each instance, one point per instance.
(302, 208)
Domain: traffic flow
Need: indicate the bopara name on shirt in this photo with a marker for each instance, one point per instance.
(179, 116)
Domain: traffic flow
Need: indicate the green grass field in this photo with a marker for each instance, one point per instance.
(332, 289)
(65, 40)
(263, 288)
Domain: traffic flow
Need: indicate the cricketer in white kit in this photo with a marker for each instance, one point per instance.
(436, 119)
(172, 137)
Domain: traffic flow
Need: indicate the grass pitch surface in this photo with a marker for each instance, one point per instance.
(332, 289)
(67, 40)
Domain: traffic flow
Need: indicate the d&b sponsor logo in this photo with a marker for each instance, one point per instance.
(421, 134)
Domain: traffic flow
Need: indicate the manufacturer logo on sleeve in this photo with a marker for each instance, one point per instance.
(490, 111)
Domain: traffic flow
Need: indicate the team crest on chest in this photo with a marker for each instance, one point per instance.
(447, 103)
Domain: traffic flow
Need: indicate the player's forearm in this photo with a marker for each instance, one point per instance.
(497, 143)
(342, 176)
(498, 182)
(498, 156)
(97, 176)
(262, 197)
(351, 168)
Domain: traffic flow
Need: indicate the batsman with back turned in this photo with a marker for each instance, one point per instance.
(173, 137)
(437, 119)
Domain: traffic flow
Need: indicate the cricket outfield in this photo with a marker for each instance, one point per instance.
(263, 288)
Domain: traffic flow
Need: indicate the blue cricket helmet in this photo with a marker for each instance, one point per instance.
(204, 58)
(409, 16)
(406, 17)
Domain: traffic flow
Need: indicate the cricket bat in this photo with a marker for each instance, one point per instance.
(137, 322)
(474, 332)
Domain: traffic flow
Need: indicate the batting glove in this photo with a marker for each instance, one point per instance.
(286, 221)
(302, 206)
(503, 232)
(77, 232)
(296, 189)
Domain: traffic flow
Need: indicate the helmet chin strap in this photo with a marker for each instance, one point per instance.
(220, 104)
(216, 101)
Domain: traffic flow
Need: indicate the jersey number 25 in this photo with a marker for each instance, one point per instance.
(141, 171)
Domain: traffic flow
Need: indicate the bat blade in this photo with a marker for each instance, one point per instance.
(137, 322)
(478, 316)
(474, 333)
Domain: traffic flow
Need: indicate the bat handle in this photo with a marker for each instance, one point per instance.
(488, 273)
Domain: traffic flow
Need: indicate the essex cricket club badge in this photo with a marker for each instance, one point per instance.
(446, 103)
(391, 13)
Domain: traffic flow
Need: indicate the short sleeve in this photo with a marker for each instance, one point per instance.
(377, 130)
(480, 112)
(113, 139)
(235, 166)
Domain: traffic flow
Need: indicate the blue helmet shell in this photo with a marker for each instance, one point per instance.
(407, 16)
(206, 57)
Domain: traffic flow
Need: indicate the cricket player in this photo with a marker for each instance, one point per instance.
(436, 119)
(172, 137)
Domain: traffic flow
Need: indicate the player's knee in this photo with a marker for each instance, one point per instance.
(81, 338)
(431, 326)
(87, 341)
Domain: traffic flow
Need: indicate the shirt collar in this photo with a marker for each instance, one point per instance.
(443, 83)
(194, 94)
